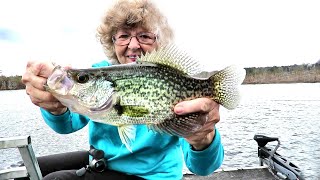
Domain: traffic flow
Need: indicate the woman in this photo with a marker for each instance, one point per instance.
(129, 29)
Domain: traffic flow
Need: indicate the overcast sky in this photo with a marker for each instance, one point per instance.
(217, 33)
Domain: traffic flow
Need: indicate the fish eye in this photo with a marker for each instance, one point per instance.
(82, 77)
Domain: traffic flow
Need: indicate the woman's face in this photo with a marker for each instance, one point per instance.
(127, 45)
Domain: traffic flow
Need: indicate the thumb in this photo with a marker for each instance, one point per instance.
(42, 69)
(67, 66)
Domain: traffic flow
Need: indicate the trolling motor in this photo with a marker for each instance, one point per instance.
(97, 164)
(278, 165)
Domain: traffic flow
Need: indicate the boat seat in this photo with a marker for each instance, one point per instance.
(263, 140)
(31, 167)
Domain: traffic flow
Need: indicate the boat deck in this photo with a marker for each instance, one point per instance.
(255, 173)
(32, 169)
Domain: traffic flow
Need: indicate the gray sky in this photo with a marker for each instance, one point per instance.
(217, 33)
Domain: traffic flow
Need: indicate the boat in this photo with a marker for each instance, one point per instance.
(247, 173)
(279, 169)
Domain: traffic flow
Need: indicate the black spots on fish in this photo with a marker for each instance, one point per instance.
(97, 76)
(162, 86)
(107, 78)
(113, 84)
(131, 110)
(119, 109)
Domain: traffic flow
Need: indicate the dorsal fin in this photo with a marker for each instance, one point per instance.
(172, 57)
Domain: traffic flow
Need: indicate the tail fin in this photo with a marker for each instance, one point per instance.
(226, 86)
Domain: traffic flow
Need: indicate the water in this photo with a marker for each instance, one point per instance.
(288, 111)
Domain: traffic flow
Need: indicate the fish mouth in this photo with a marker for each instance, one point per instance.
(58, 81)
(106, 105)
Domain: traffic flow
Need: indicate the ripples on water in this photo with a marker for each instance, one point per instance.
(288, 111)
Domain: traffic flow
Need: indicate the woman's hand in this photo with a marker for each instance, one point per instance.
(34, 78)
(209, 110)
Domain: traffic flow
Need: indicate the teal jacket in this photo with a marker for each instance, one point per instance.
(155, 155)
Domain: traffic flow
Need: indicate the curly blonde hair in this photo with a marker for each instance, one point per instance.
(128, 14)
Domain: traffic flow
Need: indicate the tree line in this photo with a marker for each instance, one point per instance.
(305, 73)
(11, 83)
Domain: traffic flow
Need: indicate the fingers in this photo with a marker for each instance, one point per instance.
(209, 113)
(39, 94)
(34, 78)
(36, 75)
(201, 141)
(202, 105)
(42, 69)
(202, 133)
(46, 101)
(204, 136)
(30, 79)
(53, 107)
(214, 115)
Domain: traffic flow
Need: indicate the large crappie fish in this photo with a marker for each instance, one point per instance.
(145, 92)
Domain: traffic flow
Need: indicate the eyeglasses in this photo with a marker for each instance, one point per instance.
(123, 39)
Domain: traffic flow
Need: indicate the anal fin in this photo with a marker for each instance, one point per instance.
(182, 126)
(127, 135)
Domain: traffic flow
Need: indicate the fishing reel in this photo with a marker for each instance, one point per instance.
(97, 164)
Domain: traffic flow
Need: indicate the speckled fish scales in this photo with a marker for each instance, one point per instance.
(146, 91)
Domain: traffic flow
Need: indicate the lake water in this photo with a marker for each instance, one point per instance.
(288, 111)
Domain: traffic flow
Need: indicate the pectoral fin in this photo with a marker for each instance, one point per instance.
(127, 135)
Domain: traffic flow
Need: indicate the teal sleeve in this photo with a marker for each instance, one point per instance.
(101, 64)
(66, 123)
(207, 161)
